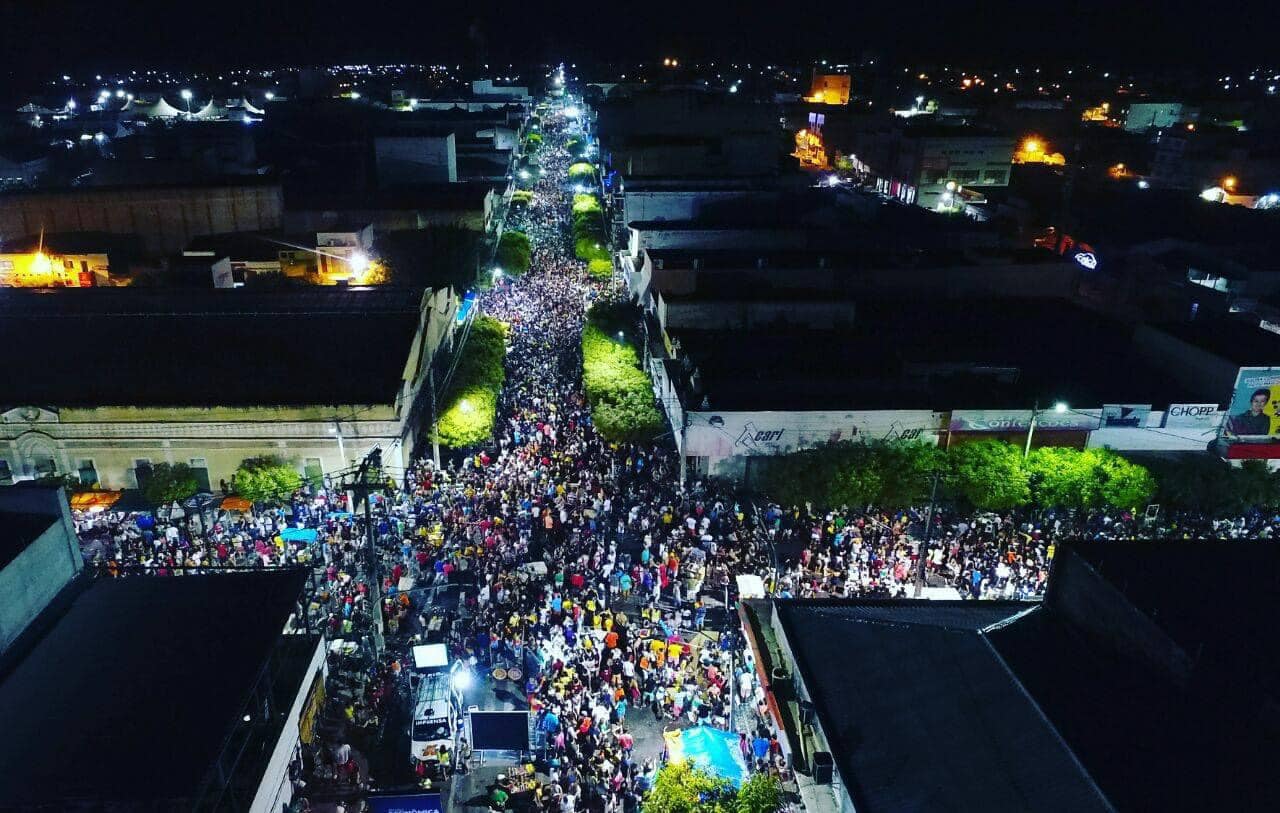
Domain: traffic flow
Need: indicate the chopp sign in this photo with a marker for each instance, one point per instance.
(990, 420)
(1202, 415)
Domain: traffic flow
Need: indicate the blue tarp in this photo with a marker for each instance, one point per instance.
(711, 749)
(307, 535)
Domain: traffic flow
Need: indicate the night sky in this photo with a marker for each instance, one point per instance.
(42, 37)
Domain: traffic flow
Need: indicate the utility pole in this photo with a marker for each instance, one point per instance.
(1031, 429)
(435, 418)
(922, 554)
(367, 480)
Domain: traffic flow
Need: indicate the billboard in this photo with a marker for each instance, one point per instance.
(728, 434)
(1192, 416)
(1130, 415)
(405, 803)
(1019, 420)
(499, 730)
(1253, 412)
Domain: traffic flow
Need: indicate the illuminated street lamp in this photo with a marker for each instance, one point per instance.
(186, 96)
(359, 262)
(1060, 408)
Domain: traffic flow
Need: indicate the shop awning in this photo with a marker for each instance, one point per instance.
(94, 500)
(236, 504)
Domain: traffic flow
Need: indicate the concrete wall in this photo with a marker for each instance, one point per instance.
(166, 218)
(275, 791)
(40, 571)
(114, 448)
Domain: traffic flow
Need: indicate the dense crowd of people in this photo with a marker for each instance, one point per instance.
(587, 565)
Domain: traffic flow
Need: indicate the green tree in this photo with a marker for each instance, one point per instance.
(581, 171)
(266, 479)
(618, 390)
(1255, 485)
(761, 793)
(1063, 478)
(686, 789)
(587, 248)
(169, 483)
(989, 474)
(600, 269)
(1124, 484)
(585, 202)
(470, 407)
(514, 254)
(907, 471)
(1198, 483)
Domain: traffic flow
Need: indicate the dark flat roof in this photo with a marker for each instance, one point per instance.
(1165, 580)
(129, 697)
(921, 713)
(896, 354)
(852, 258)
(245, 246)
(122, 347)
(79, 242)
(18, 529)
(1149, 742)
(1237, 340)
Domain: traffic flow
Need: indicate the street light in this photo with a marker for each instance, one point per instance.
(186, 96)
(1059, 408)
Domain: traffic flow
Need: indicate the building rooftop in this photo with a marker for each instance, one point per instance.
(79, 242)
(130, 696)
(127, 347)
(18, 529)
(929, 354)
(850, 259)
(921, 713)
(443, 196)
(246, 246)
(1238, 340)
(1123, 690)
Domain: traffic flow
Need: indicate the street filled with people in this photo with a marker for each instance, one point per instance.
(586, 568)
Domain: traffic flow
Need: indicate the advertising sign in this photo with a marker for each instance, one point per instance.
(1253, 412)
(1131, 415)
(405, 803)
(1019, 420)
(728, 434)
(1192, 416)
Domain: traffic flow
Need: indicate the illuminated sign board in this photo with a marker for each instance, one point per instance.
(1087, 259)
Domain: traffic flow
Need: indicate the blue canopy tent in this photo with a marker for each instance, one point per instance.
(710, 749)
(306, 536)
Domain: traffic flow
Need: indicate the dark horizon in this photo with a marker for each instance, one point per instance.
(61, 36)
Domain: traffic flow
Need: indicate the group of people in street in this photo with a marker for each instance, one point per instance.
(587, 565)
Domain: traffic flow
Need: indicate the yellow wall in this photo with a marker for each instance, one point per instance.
(48, 270)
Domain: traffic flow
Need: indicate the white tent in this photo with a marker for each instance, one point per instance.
(750, 586)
